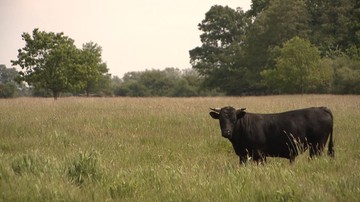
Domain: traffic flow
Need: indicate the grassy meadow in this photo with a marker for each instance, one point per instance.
(163, 149)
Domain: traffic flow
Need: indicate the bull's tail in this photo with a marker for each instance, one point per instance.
(331, 151)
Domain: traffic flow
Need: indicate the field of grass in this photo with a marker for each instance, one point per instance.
(163, 149)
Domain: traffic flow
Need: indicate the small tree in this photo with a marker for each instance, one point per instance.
(8, 85)
(96, 75)
(297, 69)
(346, 74)
(50, 61)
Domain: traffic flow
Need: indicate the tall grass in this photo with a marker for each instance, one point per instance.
(163, 149)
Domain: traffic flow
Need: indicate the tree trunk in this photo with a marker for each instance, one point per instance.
(56, 94)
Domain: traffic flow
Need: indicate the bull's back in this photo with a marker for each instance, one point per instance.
(303, 125)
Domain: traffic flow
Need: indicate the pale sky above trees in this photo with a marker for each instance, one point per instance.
(135, 35)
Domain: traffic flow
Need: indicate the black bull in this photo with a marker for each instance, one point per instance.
(276, 135)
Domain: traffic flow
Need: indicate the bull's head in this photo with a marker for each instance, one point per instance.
(228, 117)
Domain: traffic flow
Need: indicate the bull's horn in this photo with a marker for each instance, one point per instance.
(242, 109)
(215, 109)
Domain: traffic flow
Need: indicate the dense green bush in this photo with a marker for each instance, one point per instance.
(170, 82)
(84, 168)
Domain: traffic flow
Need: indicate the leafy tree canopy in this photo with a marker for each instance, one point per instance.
(237, 47)
(51, 61)
(220, 55)
(297, 69)
(8, 86)
(96, 77)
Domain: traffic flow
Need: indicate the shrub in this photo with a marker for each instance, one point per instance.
(84, 167)
(25, 164)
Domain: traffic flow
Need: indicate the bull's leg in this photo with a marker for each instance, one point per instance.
(316, 149)
(243, 156)
(260, 161)
(292, 159)
(312, 152)
(243, 159)
(263, 159)
(259, 157)
(292, 156)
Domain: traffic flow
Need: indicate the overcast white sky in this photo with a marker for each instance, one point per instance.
(135, 34)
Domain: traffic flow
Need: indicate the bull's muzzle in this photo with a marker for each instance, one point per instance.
(227, 133)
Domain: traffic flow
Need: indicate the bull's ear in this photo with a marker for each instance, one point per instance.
(240, 113)
(214, 115)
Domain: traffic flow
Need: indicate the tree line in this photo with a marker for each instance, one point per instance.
(170, 82)
(278, 46)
